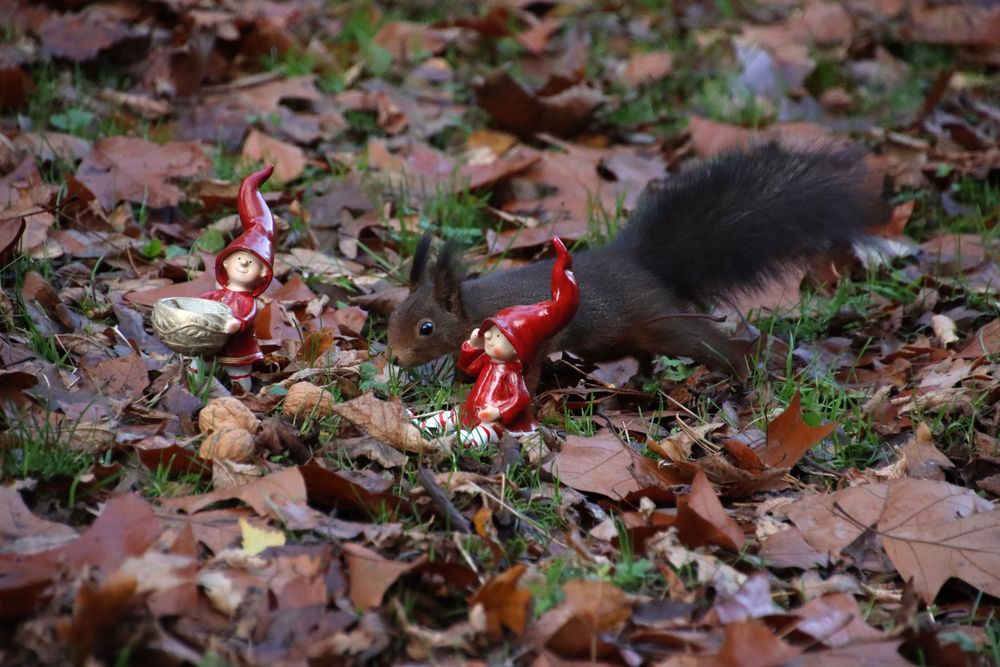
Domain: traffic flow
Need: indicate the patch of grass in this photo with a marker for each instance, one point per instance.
(163, 483)
(37, 447)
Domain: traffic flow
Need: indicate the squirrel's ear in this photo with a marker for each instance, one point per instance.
(419, 267)
(447, 281)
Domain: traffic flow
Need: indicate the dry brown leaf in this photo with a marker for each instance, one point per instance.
(591, 608)
(97, 611)
(701, 519)
(751, 644)
(788, 548)
(930, 530)
(126, 527)
(140, 171)
(836, 620)
(289, 160)
(986, 341)
(370, 575)
(753, 600)
(504, 604)
(921, 458)
(522, 111)
(601, 464)
(386, 421)
(647, 68)
(82, 36)
(21, 532)
(930, 548)
(789, 437)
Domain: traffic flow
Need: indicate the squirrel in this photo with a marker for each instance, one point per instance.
(726, 226)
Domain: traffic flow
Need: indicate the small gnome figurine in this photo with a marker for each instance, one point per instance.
(498, 352)
(243, 270)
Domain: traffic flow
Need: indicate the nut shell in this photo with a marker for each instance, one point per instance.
(227, 412)
(305, 399)
(231, 444)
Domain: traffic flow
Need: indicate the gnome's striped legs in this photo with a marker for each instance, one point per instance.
(447, 421)
(239, 376)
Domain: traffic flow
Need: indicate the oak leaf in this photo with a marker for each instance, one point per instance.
(789, 437)
(139, 171)
(601, 464)
(702, 520)
(387, 421)
(289, 160)
(930, 530)
(503, 602)
(370, 575)
(591, 609)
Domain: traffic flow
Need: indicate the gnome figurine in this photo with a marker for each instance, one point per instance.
(498, 352)
(243, 270)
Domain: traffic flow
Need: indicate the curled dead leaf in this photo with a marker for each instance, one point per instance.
(504, 604)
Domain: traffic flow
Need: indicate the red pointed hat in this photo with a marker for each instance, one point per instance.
(527, 327)
(258, 230)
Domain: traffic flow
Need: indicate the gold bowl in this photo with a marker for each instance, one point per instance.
(191, 326)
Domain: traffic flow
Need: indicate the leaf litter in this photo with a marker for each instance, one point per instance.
(835, 508)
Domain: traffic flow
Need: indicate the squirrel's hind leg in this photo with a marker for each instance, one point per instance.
(693, 337)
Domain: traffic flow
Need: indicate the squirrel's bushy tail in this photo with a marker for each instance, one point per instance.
(746, 216)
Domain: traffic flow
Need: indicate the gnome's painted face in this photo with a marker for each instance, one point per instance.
(497, 346)
(244, 271)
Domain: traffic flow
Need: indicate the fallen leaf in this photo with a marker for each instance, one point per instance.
(122, 378)
(82, 36)
(21, 532)
(257, 540)
(574, 627)
(751, 644)
(520, 110)
(753, 600)
(921, 458)
(504, 604)
(836, 620)
(406, 40)
(601, 464)
(930, 530)
(789, 437)
(370, 575)
(986, 341)
(97, 611)
(931, 549)
(265, 495)
(386, 421)
(788, 548)
(647, 68)
(289, 160)
(139, 171)
(701, 519)
(126, 527)
(944, 328)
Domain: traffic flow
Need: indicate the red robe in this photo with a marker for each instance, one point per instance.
(241, 349)
(499, 383)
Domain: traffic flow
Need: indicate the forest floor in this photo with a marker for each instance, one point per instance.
(836, 507)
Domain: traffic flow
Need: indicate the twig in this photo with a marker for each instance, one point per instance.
(441, 500)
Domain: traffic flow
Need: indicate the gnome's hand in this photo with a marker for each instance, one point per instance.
(489, 414)
(232, 325)
(476, 340)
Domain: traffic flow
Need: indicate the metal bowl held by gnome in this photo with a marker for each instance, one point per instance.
(190, 326)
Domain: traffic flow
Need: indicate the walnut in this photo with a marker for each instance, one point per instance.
(305, 399)
(227, 412)
(230, 444)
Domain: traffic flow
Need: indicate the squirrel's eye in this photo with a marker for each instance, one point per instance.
(426, 328)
